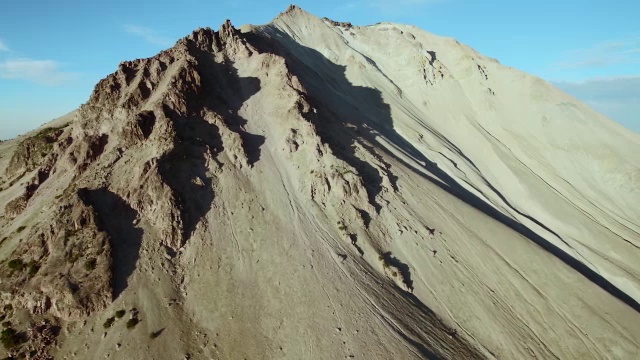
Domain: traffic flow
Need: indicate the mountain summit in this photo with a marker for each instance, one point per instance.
(310, 189)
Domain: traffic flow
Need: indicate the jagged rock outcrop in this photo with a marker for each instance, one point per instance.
(33, 151)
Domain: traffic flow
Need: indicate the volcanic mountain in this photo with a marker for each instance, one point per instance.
(310, 189)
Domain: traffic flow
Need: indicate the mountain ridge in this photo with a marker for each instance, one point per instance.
(345, 204)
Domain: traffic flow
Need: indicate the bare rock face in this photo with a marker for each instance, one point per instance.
(170, 114)
(346, 25)
(42, 336)
(33, 151)
(305, 189)
(65, 268)
(176, 116)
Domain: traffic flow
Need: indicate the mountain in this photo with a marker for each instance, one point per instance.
(310, 189)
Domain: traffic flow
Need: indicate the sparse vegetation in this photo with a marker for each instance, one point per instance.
(90, 265)
(393, 268)
(9, 338)
(120, 313)
(20, 229)
(131, 323)
(32, 268)
(109, 322)
(382, 259)
(6, 324)
(16, 264)
(48, 131)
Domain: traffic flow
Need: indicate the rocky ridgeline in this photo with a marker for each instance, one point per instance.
(148, 146)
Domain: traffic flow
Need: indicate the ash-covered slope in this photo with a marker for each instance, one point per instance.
(308, 189)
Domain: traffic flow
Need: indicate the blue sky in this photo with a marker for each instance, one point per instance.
(52, 53)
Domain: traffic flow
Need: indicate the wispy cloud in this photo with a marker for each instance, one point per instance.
(147, 34)
(602, 54)
(393, 7)
(619, 87)
(400, 6)
(44, 72)
(3, 46)
(348, 6)
(616, 97)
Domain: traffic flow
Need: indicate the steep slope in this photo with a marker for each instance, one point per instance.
(310, 189)
(526, 158)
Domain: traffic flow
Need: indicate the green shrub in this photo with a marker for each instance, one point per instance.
(16, 264)
(33, 267)
(9, 338)
(131, 323)
(109, 322)
(21, 229)
(155, 334)
(90, 264)
(6, 324)
(120, 313)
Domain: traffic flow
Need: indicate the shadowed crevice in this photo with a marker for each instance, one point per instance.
(116, 218)
(146, 121)
(197, 141)
(354, 241)
(326, 95)
(184, 169)
(366, 218)
(226, 92)
(404, 269)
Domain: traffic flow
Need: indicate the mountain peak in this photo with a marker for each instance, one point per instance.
(292, 8)
(379, 191)
(227, 27)
(294, 11)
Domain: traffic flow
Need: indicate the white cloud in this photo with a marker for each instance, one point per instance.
(45, 72)
(621, 88)
(405, 2)
(3, 46)
(400, 5)
(602, 54)
(388, 7)
(147, 34)
(616, 97)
